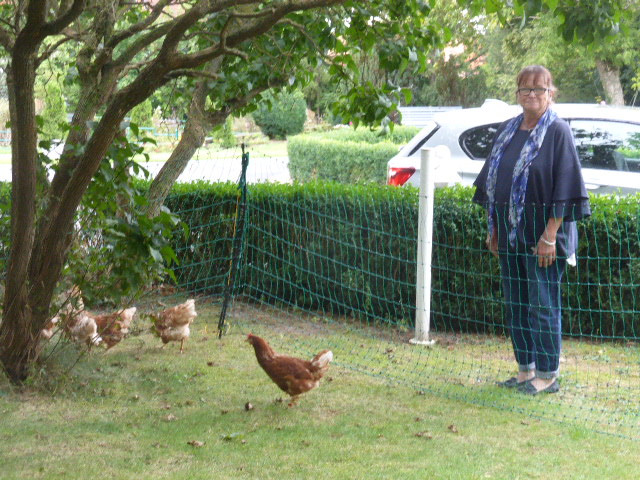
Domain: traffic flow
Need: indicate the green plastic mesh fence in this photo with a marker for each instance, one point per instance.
(333, 266)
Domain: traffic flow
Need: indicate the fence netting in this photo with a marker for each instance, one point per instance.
(334, 266)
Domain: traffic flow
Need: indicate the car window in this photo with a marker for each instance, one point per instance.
(434, 128)
(608, 145)
(477, 142)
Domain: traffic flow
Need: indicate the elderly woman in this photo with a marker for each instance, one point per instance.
(531, 185)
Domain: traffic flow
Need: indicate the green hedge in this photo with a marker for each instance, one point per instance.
(399, 135)
(345, 155)
(349, 251)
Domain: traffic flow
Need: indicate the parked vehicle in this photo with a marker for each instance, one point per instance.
(607, 139)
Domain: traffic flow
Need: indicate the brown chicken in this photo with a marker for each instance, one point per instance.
(76, 322)
(113, 327)
(82, 327)
(293, 375)
(49, 329)
(172, 324)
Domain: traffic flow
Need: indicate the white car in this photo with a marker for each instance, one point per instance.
(607, 139)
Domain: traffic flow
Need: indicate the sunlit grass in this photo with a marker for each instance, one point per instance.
(140, 411)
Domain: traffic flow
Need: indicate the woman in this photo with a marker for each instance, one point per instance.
(532, 187)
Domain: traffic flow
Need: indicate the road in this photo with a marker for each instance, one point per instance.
(223, 169)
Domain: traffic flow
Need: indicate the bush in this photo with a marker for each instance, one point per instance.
(344, 162)
(142, 114)
(224, 134)
(54, 114)
(281, 115)
(345, 155)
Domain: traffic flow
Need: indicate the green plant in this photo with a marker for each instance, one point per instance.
(119, 251)
(142, 114)
(224, 134)
(54, 114)
(281, 114)
(345, 155)
(185, 415)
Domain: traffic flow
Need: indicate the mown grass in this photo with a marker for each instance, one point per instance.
(139, 411)
(258, 148)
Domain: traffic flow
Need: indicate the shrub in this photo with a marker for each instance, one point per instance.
(142, 114)
(224, 134)
(282, 114)
(344, 162)
(54, 114)
(345, 155)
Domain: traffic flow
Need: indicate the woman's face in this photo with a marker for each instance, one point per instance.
(534, 103)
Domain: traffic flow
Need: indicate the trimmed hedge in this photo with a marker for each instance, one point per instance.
(346, 250)
(345, 155)
(350, 251)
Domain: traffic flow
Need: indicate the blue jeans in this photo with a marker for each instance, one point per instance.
(533, 310)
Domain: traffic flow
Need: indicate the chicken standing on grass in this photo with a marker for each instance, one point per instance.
(293, 375)
(77, 323)
(172, 324)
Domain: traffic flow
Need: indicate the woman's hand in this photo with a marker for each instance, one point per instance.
(492, 243)
(546, 252)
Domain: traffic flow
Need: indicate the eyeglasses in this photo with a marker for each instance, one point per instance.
(527, 91)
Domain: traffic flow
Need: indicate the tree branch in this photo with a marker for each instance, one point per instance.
(140, 26)
(57, 25)
(191, 73)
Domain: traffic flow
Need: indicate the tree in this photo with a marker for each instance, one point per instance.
(124, 52)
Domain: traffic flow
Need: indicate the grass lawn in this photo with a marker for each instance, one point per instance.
(257, 147)
(142, 412)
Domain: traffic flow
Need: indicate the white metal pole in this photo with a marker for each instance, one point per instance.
(425, 246)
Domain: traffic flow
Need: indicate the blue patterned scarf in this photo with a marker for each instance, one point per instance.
(520, 172)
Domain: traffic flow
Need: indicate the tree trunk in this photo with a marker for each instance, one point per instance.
(199, 122)
(610, 79)
(193, 136)
(18, 335)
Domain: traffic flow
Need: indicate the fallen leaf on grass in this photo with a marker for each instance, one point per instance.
(210, 364)
(170, 418)
(453, 428)
(426, 435)
(196, 443)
